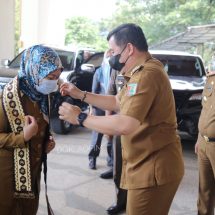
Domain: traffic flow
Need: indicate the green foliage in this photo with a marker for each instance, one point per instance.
(159, 20)
(84, 32)
(80, 30)
(17, 25)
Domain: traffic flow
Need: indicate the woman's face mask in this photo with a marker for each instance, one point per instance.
(47, 86)
(114, 61)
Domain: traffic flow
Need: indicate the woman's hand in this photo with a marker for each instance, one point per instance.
(50, 144)
(69, 113)
(71, 90)
(30, 128)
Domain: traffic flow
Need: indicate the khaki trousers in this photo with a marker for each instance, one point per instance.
(121, 194)
(152, 200)
(206, 162)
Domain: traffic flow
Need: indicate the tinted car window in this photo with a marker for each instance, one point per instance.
(67, 59)
(176, 65)
(15, 63)
(96, 59)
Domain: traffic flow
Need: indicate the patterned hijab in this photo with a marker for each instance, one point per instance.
(36, 63)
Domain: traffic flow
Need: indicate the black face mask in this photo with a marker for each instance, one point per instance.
(114, 61)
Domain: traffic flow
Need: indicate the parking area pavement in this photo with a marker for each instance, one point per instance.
(75, 189)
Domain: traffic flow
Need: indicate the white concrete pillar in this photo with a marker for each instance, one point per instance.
(42, 23)
(29, 22)
(51, 18)
(7, 29)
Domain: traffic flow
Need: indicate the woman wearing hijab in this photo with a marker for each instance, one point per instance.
(24, 134)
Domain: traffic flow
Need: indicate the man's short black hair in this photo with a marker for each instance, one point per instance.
(129, 33)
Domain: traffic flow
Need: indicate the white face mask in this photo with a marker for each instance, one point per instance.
(47, 86)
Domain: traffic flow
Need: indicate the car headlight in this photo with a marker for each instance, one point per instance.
(197, 96)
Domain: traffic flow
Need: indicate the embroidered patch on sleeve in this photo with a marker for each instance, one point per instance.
(132, 89)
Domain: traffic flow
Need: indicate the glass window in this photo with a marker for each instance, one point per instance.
(15, 63)
(67, 59)
(177, 65)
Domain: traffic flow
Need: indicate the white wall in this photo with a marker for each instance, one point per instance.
(7, 44)
(42, 23)
(29, 22)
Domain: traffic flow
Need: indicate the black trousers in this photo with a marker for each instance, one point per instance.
(96, 141)
(121, 194)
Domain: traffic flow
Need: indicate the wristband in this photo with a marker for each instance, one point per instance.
(84, 97)
(81, 117)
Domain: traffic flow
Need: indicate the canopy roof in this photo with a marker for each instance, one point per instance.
(192, 37)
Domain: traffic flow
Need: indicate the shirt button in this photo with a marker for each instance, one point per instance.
(212, 82)
(39, 146)
(205, 98)
(42, 133)
(211, 106)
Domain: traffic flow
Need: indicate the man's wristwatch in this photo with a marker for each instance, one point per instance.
(81, 117)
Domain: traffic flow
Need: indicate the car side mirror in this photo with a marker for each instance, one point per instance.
(5, 62)
(88, 68)
(206, 69)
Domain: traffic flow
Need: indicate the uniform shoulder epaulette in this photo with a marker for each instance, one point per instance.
(210, 73)
(137, 69)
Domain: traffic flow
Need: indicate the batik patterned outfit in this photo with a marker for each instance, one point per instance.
(20, 161)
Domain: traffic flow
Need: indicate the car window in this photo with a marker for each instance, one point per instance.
(96, 59)
(67, 59)
(15, 63)
(177, 65)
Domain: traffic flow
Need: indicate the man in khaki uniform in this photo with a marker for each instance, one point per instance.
(115, 85)
(205, 148)
(151, 150)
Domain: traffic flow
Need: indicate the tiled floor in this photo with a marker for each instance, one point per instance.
(75, 189)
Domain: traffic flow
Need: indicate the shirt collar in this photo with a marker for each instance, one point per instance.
(137, 65)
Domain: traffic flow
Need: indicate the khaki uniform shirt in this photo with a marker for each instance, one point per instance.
(9, 140)
(152, 154)
(207, 117)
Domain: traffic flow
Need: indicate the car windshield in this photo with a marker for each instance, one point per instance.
(96, 59)
(15, 63)
(177, 65)
(67, 59)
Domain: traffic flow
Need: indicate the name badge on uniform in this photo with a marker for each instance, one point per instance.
(132, 89)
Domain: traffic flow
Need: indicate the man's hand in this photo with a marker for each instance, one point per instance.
(196, 148)
(69, 113)
(71, 90)
(30, 128)
(50, 144)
